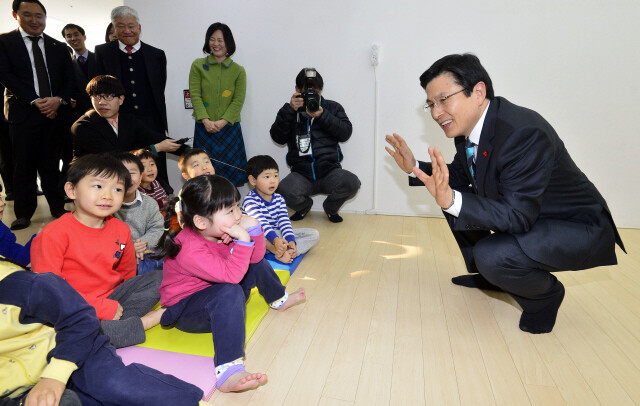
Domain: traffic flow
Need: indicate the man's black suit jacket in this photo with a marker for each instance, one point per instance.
(93, 134)
(16, 74)
(108, 61)
(527, 185)
(82, 98)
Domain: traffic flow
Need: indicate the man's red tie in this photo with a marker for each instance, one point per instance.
(129, 49)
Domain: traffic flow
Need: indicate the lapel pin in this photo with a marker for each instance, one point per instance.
(484, 154)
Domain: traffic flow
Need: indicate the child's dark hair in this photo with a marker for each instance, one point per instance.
(260, 163)
(129, 158)
(182, 162)
(200, 196)
(144, 154)
(102, 165)
(105, 84)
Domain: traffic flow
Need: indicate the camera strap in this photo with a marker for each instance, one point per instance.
(303, 141)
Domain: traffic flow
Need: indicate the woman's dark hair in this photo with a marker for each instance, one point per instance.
(106, 34)
(200, 196)
(229, 42)
(466, 70)
(102, 165)
(105, 84)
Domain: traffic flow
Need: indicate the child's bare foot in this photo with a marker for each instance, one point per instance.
(285, 258)
(243, 381)
(152, 318)
(295, 297)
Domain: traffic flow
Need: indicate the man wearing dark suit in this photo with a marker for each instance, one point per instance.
(37, 73)
(511, 175)
(142, 69)
(6, 156)
(85, 60)
(105, 128)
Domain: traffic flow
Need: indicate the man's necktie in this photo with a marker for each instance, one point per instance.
(129, 49)
(41, 68)
(82, 60)
(469, 150)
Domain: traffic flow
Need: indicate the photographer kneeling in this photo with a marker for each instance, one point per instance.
(312, 127)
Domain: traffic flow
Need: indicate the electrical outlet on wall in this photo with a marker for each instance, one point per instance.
(375, 54)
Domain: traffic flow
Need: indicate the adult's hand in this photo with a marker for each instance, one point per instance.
(48, 106)
(438, 183)
(219, 125)
(296, 101)
(208, 125)
(168, 145)
(315, 114)
(47, 392)
(401, 152)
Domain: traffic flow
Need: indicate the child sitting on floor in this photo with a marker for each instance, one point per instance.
(269, 207)
(209, 270)
(141, 214)
(195, 162)
(52, 351)
(93, 251)
(9, 248)
(149, 185)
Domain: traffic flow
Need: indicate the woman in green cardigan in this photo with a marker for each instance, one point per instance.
(218, 86)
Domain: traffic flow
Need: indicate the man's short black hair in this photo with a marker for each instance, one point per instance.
(229, 42)
(144, 154)
(105, 84)
(102, 165)
(128, 158)
(466, 70)
(16, 5)
(182, 162)
(260, 163)
(301, 80)
(70, 27)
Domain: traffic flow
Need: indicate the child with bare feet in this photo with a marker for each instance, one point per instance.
(94, 252)
(210, 267)
(270, 209)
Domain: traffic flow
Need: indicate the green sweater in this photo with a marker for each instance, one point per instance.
(217, 89)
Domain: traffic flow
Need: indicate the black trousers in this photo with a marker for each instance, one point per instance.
(500, 260)
(6, 157)
(36, 150)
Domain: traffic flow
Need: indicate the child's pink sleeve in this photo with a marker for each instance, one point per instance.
(259, 247)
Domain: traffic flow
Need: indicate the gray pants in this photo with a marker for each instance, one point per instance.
(340, 185)
(305, 238)
(137, 296)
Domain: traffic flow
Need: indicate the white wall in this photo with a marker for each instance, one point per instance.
(575, 62)
(93, 16)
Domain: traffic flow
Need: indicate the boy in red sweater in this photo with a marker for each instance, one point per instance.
(94, 252)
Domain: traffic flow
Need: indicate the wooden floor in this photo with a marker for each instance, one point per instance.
(384, 325)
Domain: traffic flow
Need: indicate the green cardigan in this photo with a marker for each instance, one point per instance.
(217, 89)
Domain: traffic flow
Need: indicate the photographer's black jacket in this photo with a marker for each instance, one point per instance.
(331, 128)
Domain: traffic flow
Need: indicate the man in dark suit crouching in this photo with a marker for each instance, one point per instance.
(511, 175)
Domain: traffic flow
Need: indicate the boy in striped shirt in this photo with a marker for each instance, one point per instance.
(270, 209)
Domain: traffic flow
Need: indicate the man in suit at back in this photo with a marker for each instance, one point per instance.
(37, 73)
(85, 60)
(142, 69)
(511, 175)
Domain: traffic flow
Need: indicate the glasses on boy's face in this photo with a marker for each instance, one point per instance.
(105, 97)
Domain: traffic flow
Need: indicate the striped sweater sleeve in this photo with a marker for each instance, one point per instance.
(254, 207)
(279, 212)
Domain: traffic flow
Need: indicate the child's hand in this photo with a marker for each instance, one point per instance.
(140, 248)
(292, 249)
(248, 221)
(118, 312)
(280, 245)
(238, 232)
(47, 392)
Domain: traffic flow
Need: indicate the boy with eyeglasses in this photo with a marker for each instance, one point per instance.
(105, 128)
